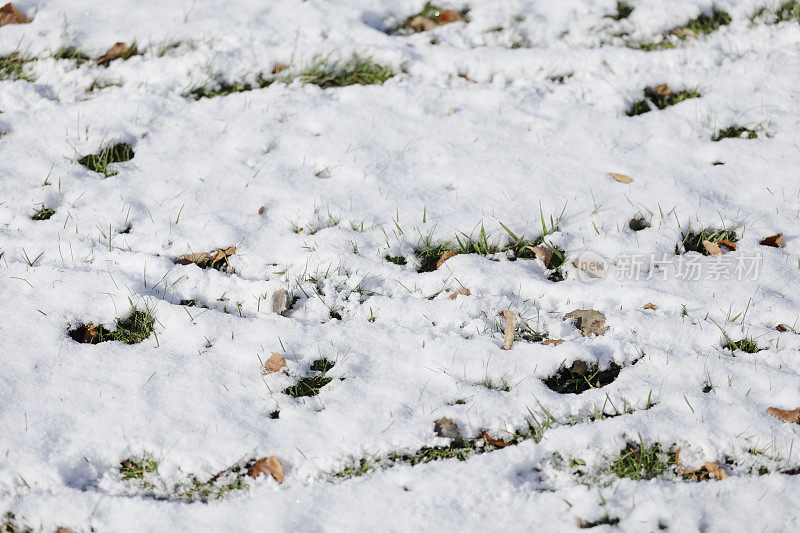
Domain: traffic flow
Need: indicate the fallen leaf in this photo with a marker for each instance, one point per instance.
(280, 301)
(791, 471)
(684, 32)
(446, 428)
(464, 292)
(543, 253)
(449, 15)
(579, 367)
(10, 15)
(776, 241)
(589, 321)
(511, 324)
(715, 470)
(466, 77)
(63, 529)
(662, 90)
(552, 342)
(261, 210)
(279, 67)
(445, 256)
(792, 415)
(622, 178)
(420, 24)
(727, 244)
(650, 306)
(86, 334)
(266, 466)
(500, 443)
(782, 328)
(712, 248)
(113, 53)
(211, 259)
(274, 364)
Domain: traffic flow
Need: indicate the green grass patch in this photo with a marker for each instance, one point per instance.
(692, 241)
(9, 524)
(624, 10)
(356, 71)
(220, 87)
(582, 376)
(500, 385)
(311, 385)
(70, 53)
(702, 25)
(639, 462)
(706, 24)
(661, 101)
(747, 344)
(43, 213)
(12, 68)
(786, 12)
(100, 162)
(136, 467)
(603, 521)
(396, 259)
(133, 329)
(429, 11)
(735, 132)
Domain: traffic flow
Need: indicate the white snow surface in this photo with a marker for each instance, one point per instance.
(427, 153)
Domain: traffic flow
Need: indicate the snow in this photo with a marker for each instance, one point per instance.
(426, 153)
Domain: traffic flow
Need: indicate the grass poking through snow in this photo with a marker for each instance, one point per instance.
(692, 241)
(735, 132)
(100, 162)
(12, 68)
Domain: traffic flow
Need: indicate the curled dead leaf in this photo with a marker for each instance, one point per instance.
(279, 67)
(280, 301)
(684, 32)
(464, 292)
(791, 415)
(113, 53)
(511, 325)
(543, 253)
(589, 321)
(261, 210)
(213, 259)
(776, 241)
(712, 248)
(727, 244)
(488, 439)
(446, 428)
(449, 15)
(716, 471)
(782, 328)
(622, 178)
(466, 77)
(274, 364)
(445, 256)
(650, 306)
(420, 24)
(266, 466)
(662, 90)
(9, 14)
(552, 342)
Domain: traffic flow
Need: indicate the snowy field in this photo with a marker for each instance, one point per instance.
(435, 189)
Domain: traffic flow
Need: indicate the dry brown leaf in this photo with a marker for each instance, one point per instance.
(279, 67)
(511, 324)
(266, 466)
(662, 90)
(466, 77)
(445, 256)
(464, 292)
(449, 15)
(63, 529)
(727, 244)
(684, 32)
(776, 241)
(207, 259)
(420, 24)
(622, 178)
(10, 15)
(280, 301)
(115, 52)
(589, 321)
(274, 364)
(650, 306)
(715, 471)
(792, 415)
(261, 210)
(782, 328)
(552, 342)
(500, 443)
(446, 428)
(86, 334)
(712, 248)
(543, 253)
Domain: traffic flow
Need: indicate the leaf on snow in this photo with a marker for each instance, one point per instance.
(113, 53)
(445, 256)
(488, 439)
(662, 90)
(792, 415)
(280, 301)
(274, 364)
(543, 253)
(712, 248)
(776, 241)
(213, 259)
(449, 15)
(464, 292)
(511, 324)
(9, 14)
(446, 428)
(727, 244)
(650, 306)
(622, 178)
(266, 466)
(552, 342)
(420, 23)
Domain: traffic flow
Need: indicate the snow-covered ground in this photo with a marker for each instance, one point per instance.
(509, 123)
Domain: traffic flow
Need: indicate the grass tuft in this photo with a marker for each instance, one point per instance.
(747, 345)
(502, 385)
(70, 53)
(396, 259)
(661, 101)
(100, 162)
(640, 462)
(43, 213)
(356, 71)
(136, 467)
(12, 68)
(624, 10)
(581, 377)
(132, 329)
(311, 386)
(692, 241)
(735, 132)
(638, 223)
